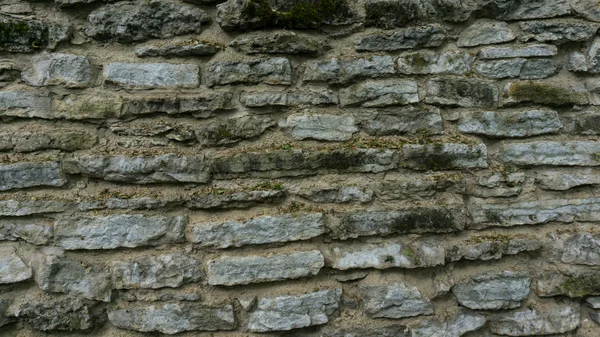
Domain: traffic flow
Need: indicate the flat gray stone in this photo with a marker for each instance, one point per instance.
(587, 9)
(403, 120)
(126, 22)
(142, 170)
(524, 9)
(31, 174)
(530, 322)
(404, 38)
(201, 105)
(526, 69)
(72, 71)
(396, 300)
(593, 302)
(538, 69)
(294, 312)
(65, 140)
(452, 326)
(524, 123)
(531, 50)
(574, 284)
(483, 32)
(463, 92)
(419, 186)
(446, 156)
(320, 127)
(373, 94)
(577, 62)
(387, 255)
(264, 229)
(339, 195)
(493, 291)
(12, 268)
(258, 99)
(168, 270)
(582, 122)
(454, 62)
(27, 104)
(113, 231)
(557, 30)
(563, 180)
(171, 317)
(266, 70)
(568, 153)
(356, 330)
(29, 231)
(23, 208)
(229, 131)
(240, 199)
(188, 47)
(57, 313)
(280, 42)
(582, 248)
(336, 71)
(491, 248)
(232, 270)
(152, 75)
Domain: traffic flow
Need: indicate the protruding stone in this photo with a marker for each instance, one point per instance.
(582, 248)
(510, 123)
(346, 71)
(97, 105)
(269, 71)
(12, 268)
(462, 92)
(405, 38)
(239, 199)
(172, 317)
(340, 195)
(453, 326)
(404, 120)
(22, 208)
(564, 180)
(545, 93)
(152, 75)
(396, 300)
(231, 130)
(29, 231)
(201, 105)
(450, 62)
(294, 312)
(113, 231)
(484, 32)
(31, 174)
(568, 153)
(72, 71)
(57, 313)
(170, 270)
(20, 103)
(144, 20)
(486, 248)
(232, 270)
(446, 156)
(577, 62)
(381, 93)
(527, 9)
(321, 127)
(493, 291)
(65, 140)
(531, 322)
(265, 229)
(258, 99)
(532, 50)
(517, 67)
(557, 30)
(280, 42)
(573, 284)
(188, 47)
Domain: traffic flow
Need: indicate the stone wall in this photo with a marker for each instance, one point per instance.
(395, 168)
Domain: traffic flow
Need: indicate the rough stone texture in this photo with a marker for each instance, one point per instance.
(462, 92)
(572, 283)
(544, 93)
(527, 9)
(61, 313)
(118, 231)
(450, 62)
(293, 312)
(20, 103)
(189, 47)
(23, 175)
(321, 127)
(561, 181)
(488, 248)
(65, 140)
(557, 30)
(380, 94)
(404, 120)
(447, 156)
(533, 50)
(530, 322)
(493, 291)
(517, 67)
(230, 270)
(12, 268)
(29, 231)
(171, 270)
(510, 123)
(243, 199)
(390, 330)
(484, 32)
(570, 153)
(582, 248)
(453, 326)
(400, 39)
(23, 208)
(397, 300)
(72, 71)
(257, 99)
(346, 71)
(202, 105)
(269, 71)
(152, 75)
(389, 255)
(172, 317)
(265, 229)
(280, 43)
(144, 20)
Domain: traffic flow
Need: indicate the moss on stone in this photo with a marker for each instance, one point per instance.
(581, 285)
(542, 93)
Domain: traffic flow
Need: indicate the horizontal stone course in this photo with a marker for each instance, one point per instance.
(152, 75)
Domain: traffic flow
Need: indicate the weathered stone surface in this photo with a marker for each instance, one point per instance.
(202, 105)
(404, 120)
(57, 313)
(172, 317)
(557, 30)
(582, 248)
(20, 103)
(340, 195)
(493, 291)
(152, 75)
(405, 38)
(584, 122)
(144, 20)
(30, 174)
(72, 71)
(12, 268)
(537, 212)
(593, 57)
(169, 270)
(577, 62)
(410, 220)
(107, 232)
(23, 208)
(446, 156)
(553, 94)
(388, 255)
(419, 186)
(240, 199)
(345, 71)
(587, 9)
(526, 9)
(453, 326)
(281, 163)
(65, 140)
(293, 312)
(372, 94)
(320, 127)
(450, 62)
(388, 14)
(25, 36)
(487, 248)
(531, 322)
(532, 50)
(232, 130)
(571, 283)
(568, 153)
(188, 47)
(355, 330)
(98, 105)
(56, 274)
(142, 170)
(29, 231)
(462, 92)
(264, 229)
(484, 32)
(281, 42)
(232, 270)
(538, 69)
(257, 99)
(561, 181)
(522, 123)
(593, 302)
(269, 71)
(396, 300)
(517, 67)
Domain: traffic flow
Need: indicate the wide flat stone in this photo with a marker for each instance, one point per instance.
(396, 300)
(567, 153)
(451, 326)
(72, 71)
(265, 70)
(463, 92)
(168, 270)
(342, 71)
(531, 50)
(484, 32)
(403, 120)
(321, 127)
(455, 62)
(531, 322)
(445, 156)
(373, 94)
(26, 104)
(152, 75)
(404, 38)
(31, 174)
(522, 123)
(493, 291)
